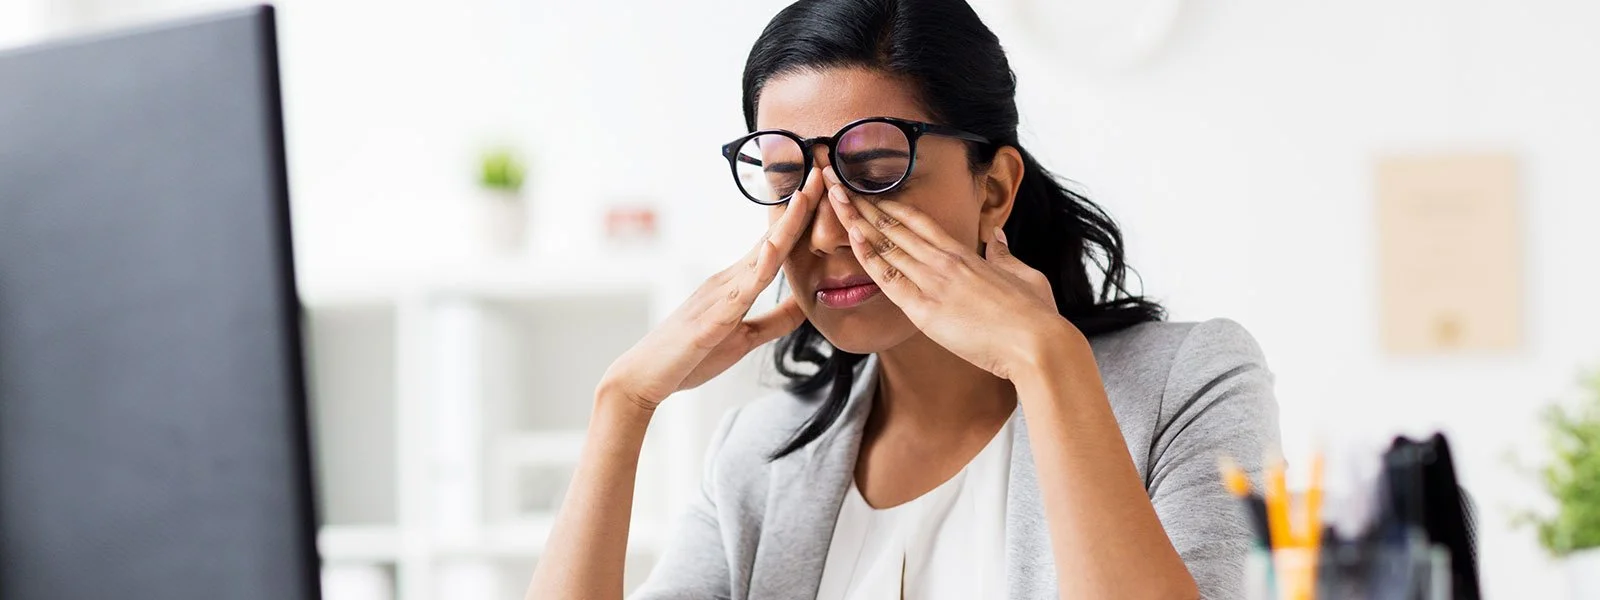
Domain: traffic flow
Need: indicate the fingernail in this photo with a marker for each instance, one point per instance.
(1000, 234)
(855, 235)
(837, 195)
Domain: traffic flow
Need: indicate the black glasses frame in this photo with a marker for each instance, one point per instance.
(912, 129)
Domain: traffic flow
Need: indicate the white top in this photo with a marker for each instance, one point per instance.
(946, 544)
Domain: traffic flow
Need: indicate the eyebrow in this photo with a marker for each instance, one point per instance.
(873, 154)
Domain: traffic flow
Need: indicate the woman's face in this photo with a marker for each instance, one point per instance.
(815, 103)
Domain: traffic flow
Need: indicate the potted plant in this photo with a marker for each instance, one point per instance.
(502, 214)
(1572, 478)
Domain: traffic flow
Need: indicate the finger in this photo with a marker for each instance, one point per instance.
(893, 281)
(932, 245)
(916, 240)
(932, 235)
(783, 234)
(997, 249)
(786, 232)
(776, 323)
(888, 238)
(998, 253)
(761, 264)
(732, 298)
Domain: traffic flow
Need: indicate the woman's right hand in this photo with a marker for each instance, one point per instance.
(709, 332)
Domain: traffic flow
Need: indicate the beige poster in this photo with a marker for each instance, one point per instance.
(1451, 253)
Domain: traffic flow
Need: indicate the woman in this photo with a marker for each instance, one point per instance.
(968, 416)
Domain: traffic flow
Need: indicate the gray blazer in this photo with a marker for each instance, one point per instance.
(1183, 393)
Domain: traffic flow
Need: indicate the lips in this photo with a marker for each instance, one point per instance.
(846, 292)
(834, 283)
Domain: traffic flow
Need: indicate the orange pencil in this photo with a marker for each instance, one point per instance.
(1314, 505)
(1278, 506)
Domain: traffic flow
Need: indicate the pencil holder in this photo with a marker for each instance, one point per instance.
(1352, 572)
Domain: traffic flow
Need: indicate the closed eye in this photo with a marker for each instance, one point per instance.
(782, 168)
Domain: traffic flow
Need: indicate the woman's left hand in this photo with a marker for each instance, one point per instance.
(993, 311)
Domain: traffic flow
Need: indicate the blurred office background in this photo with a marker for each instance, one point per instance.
(1236, 142)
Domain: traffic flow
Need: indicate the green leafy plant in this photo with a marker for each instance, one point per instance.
(502, 170)
(1572, 477)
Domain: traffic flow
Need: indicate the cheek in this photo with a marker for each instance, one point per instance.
(954, 207)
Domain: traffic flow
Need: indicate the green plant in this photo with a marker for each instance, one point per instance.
(502, 170)
(1572, 477)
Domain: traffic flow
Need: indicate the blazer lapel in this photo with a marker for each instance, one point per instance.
(806, 490)
(1030, 561)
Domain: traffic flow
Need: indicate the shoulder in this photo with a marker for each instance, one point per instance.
(762, 426)
(1161, 353)
(1161, 374)
(739, 456)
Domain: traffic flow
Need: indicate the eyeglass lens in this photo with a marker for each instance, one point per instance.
(872, 157)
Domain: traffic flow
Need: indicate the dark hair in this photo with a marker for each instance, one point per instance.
(963, 80)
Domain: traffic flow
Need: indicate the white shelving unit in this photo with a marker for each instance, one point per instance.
(450, 403)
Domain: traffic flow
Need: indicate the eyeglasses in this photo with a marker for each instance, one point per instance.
(870, 156)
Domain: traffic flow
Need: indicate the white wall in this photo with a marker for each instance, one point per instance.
(1239, 163)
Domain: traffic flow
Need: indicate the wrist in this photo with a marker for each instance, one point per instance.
(615, 405)
(1045, 347)
(1051, 355)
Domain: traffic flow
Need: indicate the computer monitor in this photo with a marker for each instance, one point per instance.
(153, 434)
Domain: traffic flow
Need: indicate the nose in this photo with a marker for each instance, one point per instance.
(828, 234)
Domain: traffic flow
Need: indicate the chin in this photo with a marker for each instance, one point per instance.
(864, 330)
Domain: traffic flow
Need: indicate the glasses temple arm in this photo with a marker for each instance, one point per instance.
(957, 133)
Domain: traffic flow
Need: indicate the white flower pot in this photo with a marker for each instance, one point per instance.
(1583, 574)
(499, 223)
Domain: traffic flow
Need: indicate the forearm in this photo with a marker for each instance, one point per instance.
(585, 553)
(1108, 541)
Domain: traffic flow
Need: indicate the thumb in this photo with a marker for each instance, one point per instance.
(998, 253)
(997, 250)
(786, 317)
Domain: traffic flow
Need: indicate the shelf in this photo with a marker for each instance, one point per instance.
(359, 543)
(451, 402)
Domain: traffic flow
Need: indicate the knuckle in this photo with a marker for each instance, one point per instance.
(946, 262)
(884, 246)
(747, 332)
(1038, 279)
(891, 274)
(884, 221)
